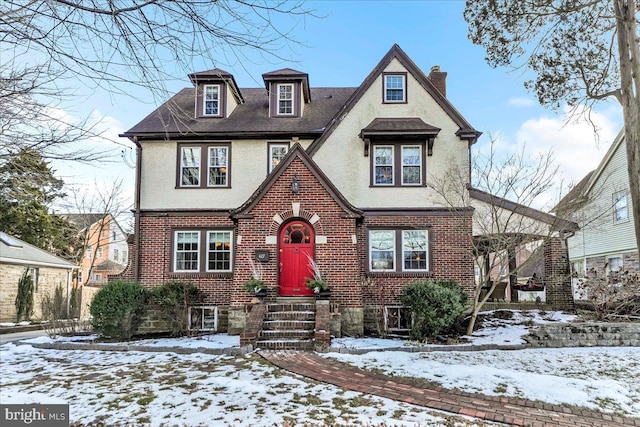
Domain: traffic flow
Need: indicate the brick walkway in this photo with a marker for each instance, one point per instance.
(514, 411)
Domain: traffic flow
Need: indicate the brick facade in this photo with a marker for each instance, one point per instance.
(557, 274)
(341, 249)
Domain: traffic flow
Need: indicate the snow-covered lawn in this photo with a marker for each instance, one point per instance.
(202, 389)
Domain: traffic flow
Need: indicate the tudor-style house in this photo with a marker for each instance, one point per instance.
(232, 179)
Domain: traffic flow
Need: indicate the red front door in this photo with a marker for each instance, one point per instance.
(296, 248)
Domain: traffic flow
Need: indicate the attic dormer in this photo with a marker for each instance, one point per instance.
(288, 92)
(217, 93)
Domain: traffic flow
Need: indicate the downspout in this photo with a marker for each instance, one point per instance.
(136, 211)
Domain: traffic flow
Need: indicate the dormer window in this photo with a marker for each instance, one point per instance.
(211, 104)
(285, 99)
(395, 88)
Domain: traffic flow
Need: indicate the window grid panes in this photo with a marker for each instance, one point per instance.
(190, 167)
(414, 250)
(187, 249)
(211, 100)
(276, 154)
(394, 88)
(219, 251)
(383, 169)
(397, 319)
(620, 207)
(411, 164)
(615, 264)
(218, 166)
(382, 250)
(285, 99)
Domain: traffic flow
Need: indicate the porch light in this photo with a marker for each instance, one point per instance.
(295, 185)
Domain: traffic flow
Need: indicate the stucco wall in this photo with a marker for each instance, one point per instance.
(248, 165)
(350, 170)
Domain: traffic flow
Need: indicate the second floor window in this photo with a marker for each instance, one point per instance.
(398, 165)
(99, 253)
(218, 166)
(285, 99)
(204, 166)
(276, 154)
(190, 167)
(620, 207)
(211, 102)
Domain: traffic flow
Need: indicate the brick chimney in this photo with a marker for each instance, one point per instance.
(439, 79)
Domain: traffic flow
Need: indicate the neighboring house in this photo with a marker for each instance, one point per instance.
(601, 204)
(277, 176)
(105, 247)
(47, 271)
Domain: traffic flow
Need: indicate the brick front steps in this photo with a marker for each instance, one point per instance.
(301, 325)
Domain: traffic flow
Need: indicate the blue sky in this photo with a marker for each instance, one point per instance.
(343, 46)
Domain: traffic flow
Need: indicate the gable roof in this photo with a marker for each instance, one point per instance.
(217, 74)
(287, 75)
(578, 194)
(297, 152)
(398, 127)
(465, 131)
(16, 251)
(82, 220)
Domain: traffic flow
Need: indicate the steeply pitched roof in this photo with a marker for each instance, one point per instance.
(82, 220)
(579, 194)
(466, 131)
(175, 118)
(16, 251)
(297, 152)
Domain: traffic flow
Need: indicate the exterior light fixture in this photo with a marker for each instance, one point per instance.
(295, 185)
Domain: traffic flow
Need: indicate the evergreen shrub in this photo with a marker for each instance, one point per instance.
(118, 309)
(437, 306)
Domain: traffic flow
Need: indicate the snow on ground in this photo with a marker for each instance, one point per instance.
(194, 390)
(202, 389)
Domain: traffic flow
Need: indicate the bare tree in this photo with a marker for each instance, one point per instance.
(581, 51)
(116, 43)
(96, 213)
(503, 222)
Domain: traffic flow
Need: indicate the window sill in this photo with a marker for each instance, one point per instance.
(412, 274)
(186, 274)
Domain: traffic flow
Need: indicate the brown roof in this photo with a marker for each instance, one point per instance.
(398, 126)
(176, 117)
(556, 223)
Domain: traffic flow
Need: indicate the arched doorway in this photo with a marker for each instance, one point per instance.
(296, 244)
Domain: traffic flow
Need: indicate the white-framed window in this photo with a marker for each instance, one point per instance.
(211, 100)
(203, 318)
(411, 165)
(414, 250)
(413, 255)
(395, 88)
(614, 264)
(277, 152)
(34, 273)
(382, 250)
(187, 251)
(116, 255)
(383, 165)
(620, 207)
(579, 268)
(397, 319)
(97, 277)
(99, 253)
(284, 100)
(218, 166)
(124, 256)
(219, 250)
(89, 252)
(190, 166)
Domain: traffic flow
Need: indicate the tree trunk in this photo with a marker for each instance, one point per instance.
(629, 52)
